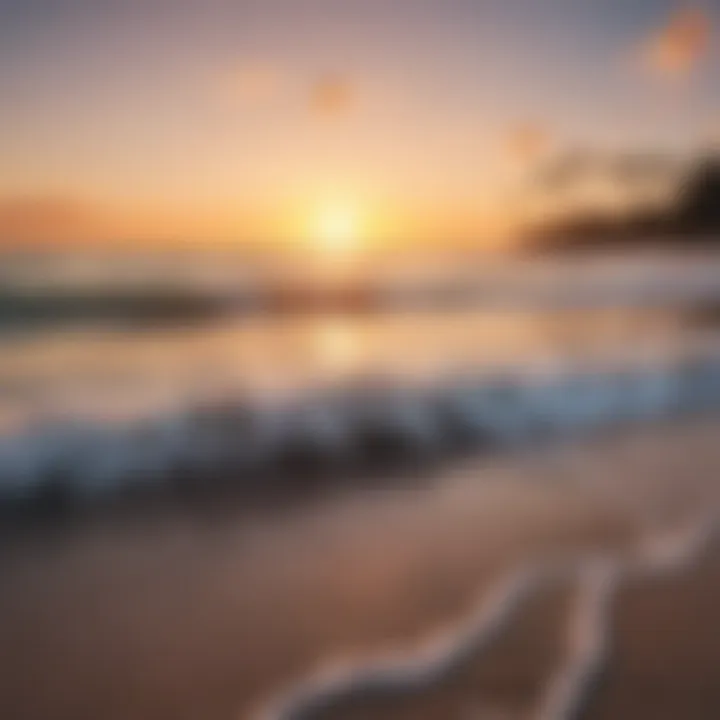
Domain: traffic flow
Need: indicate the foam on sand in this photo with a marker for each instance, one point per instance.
(589, 647)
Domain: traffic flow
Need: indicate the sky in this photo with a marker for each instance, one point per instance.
(301, 121)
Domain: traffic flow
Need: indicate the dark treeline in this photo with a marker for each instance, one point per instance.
(690, 217)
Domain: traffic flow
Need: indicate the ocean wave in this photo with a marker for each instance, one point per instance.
(262, 445)
(138, 290)
(23, 308)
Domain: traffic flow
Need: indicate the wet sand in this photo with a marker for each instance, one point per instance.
(186, 615)
(504, 683)
(666, 663)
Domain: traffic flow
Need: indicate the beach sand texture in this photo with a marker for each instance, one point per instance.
(180, 614)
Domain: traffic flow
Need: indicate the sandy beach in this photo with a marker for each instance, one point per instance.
(359, 360)
(181, 614)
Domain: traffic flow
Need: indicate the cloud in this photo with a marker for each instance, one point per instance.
(640, 167)
(526, 142)
(568, 169)
(709, 136)
(46, 219)
(256, 84)
(333, 96)
(263, 84)
(680, 46)
(578, 168)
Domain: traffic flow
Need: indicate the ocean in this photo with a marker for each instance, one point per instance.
(551, 554)
(139, 369)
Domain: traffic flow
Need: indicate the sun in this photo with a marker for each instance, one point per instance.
(337, 229)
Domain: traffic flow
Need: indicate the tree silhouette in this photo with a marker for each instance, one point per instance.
(698, 205)
(691, 215)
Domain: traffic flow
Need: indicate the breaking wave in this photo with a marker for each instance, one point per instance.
(266, 445)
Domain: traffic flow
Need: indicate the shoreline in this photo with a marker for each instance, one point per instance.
(179, 616)
(264, 450)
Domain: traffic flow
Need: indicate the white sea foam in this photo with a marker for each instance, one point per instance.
(569, 691)
(256, 444)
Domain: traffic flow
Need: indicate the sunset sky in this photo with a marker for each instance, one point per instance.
(283, 120)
